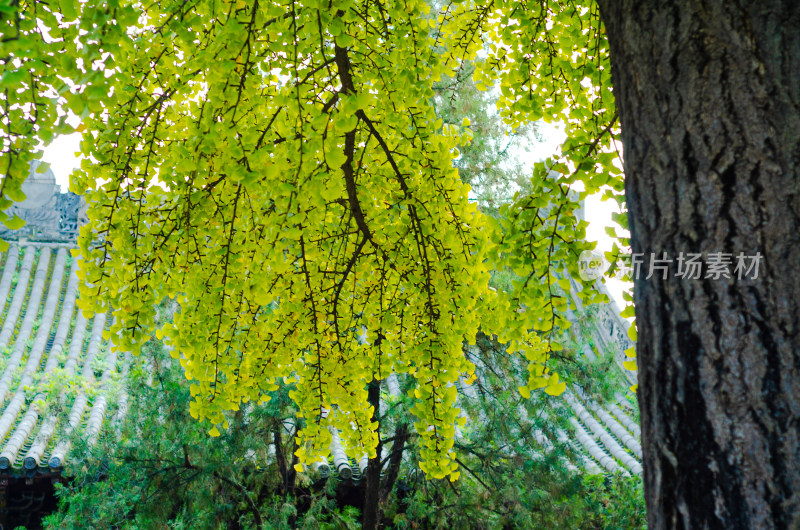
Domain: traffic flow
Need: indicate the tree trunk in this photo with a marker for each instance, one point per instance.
(395, 461)
(709, 98)
(371, 516)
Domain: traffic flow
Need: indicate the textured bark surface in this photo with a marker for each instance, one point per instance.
(709, 98)
(371, 513)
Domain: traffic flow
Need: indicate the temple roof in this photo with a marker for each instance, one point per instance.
(56, 367)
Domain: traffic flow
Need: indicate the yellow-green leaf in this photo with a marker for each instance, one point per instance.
(557, 389)
(14, 223)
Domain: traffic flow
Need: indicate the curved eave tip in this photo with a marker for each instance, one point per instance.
(345, 473)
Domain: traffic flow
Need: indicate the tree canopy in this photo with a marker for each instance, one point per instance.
(278, 168)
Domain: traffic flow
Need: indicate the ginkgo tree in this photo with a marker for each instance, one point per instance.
(278, 169)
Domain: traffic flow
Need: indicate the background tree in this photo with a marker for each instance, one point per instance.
(492, 161)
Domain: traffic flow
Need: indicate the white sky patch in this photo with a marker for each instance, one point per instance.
(598, 213)
(63, 156)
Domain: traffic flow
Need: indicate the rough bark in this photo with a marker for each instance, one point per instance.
(283, 469)
(709, 98)
(395, 460)
(371, 515)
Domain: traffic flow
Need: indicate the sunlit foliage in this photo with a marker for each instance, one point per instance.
(278, 169)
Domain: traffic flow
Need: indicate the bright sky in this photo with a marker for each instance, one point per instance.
(61, 154)
(598, 212)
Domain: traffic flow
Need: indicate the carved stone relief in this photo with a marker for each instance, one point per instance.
(49, 214)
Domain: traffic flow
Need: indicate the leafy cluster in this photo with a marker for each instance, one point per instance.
(278, 168)
(52, 61)
(164, 470)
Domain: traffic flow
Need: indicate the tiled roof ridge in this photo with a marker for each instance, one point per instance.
(27, 431)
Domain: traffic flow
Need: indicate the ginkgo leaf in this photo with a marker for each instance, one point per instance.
(14, 223)
(15, 194)
(557, 389)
